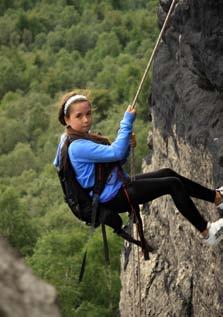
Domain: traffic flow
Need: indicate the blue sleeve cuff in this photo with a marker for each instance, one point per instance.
(129, 116)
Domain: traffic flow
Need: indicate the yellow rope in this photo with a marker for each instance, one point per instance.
(152, 55)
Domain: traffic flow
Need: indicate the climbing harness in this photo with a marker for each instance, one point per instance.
(88, 209)
(132, 155)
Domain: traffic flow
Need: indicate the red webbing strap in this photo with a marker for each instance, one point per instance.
(138, 221)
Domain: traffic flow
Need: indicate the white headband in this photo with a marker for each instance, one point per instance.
(72, 99)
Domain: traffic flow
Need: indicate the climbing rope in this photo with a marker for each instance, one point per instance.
(139, 281)
(132, 162)
(132, 169)
(153, 54)
(134, 279)
(137, 276)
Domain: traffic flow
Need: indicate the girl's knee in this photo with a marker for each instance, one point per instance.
(172, 185)
(168, 172)
(175, 183)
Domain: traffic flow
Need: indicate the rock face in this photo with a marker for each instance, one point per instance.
(23, 294)
(184, 277)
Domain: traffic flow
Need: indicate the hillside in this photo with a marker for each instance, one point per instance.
(46, 49)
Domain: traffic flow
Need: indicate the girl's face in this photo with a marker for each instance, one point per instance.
(80, 117)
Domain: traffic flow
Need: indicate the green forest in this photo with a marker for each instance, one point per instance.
(47, 48)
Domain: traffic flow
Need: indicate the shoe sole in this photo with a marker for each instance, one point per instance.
(220, 190)
(219, 235)
(220, 206)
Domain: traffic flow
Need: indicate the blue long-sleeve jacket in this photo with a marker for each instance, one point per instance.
(84, 154)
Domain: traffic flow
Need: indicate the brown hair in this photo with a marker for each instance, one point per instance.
(62, 105)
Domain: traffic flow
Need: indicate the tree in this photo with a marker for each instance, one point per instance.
(11, 74)
(11, 131)
(80, 39)
(57, 258)
(7, 27)
(20, 159)
(16, 224)
(108, 44)
(4, 5)
(56, 40)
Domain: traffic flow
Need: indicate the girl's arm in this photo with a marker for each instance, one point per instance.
(88, 151)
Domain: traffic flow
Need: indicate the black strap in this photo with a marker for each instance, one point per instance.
(102, 172)
(82, 267)
(105, 243)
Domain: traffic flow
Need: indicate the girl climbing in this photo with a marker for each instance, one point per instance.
(89, 149)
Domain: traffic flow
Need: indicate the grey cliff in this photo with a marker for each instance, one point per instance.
(184, 277)
(22, 293)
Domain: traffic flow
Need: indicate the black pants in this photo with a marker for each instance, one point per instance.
(149, 186)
